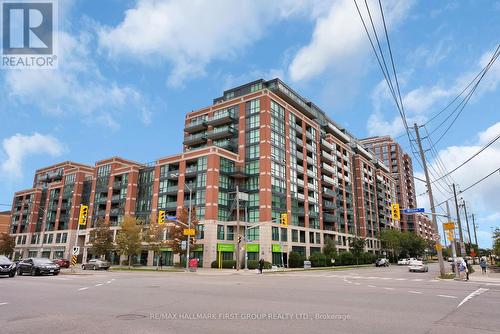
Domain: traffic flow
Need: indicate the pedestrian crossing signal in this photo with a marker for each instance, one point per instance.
(284, 219)
(161, 217)
(396, 213)
(82, 219)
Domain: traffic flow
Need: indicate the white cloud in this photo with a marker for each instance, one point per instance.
(191, 34)
(77, 87)
(482, 199)
(419, 102)
(19, 146)
(339, 37)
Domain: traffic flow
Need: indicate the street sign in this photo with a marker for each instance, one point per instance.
(73, 260)
(416, 210)
(439, 247)
(437, 237)
(189, 231)
(171, 218)
(449, 226)
(183, 245)
(76, 250)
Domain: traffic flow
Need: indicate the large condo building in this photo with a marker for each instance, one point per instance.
(279, 150)
(400, 164)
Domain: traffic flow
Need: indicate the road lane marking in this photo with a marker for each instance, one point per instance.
(4, 303)
(99, 284)
(371, 286)
(417, 280)
(446, 296)
(373, 277)
(389, 288)
(108, 282)
(357, 283)
(415, 292)
(112, 279)
(401, 279)
(386, 278)
(471, 295)
(81, 289)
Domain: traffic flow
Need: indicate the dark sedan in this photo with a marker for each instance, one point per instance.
(37, 266)
(7, 267)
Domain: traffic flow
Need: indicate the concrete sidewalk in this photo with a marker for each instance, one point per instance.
(478, 276)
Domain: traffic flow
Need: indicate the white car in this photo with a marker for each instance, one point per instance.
(418, 266)
(403, 262)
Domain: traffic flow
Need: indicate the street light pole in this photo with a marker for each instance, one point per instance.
(460, 233)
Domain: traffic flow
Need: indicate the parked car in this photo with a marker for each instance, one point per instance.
(418, 266)
(96, 264)
(63, 263)
(382, 263)
(403, 262)
(7, 267)
(450, 259)
(37, 266)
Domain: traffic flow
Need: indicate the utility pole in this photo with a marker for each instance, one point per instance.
(453, 247)
(189, 223)
(431, 201)
(460, 233)
(238, 226)
(467, 221)
(474, 227)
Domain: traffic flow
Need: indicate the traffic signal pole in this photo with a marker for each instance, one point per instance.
(431, 201)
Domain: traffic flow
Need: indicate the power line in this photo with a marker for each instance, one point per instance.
(472, 157)
(472, 185)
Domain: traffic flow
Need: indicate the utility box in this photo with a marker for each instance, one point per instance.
(307, 264)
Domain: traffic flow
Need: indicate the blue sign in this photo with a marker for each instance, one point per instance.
(413, 210)
(171, 218)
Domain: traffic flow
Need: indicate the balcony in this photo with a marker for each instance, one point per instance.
(327, 145)
(174, 174)
(310, 160)
(191, 170)
(310, 148)
(300, 182)
(196, 139)
(327, 217)
(222, 132)
(171, 190)
(222, 117)
(328, 205)
(299, 212)
(300, 156)
(171, 205)
(116, 198)
(301, 197)
(310, 173)
(300, 169)
(300, 143)
(329, 193)
(328, 180)
(328, 168)
(196, 126)
(226, 144)
(327, 157)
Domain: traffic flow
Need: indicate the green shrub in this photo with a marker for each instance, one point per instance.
(367, 258)
(346, 259)
(254, 264)
(295, 260)
(318, 260)
(226, 264)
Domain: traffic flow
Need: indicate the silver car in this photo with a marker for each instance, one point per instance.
(418, 266)
(96, 264)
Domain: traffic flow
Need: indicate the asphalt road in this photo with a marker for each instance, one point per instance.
(371, 300)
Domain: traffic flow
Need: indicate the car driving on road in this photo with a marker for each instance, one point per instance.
(382, 263)
(37, 266)
(96, 264)
(419, 266)
(63, 263)
(7, 267)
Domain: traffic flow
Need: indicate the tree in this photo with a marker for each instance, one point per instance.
(128, 239)
(101, 238)
(390, 240)
(7, 244)
(330, 248)
(176, 231)
(357, 246)
(412, 244)
(153, 235)
(496, 241)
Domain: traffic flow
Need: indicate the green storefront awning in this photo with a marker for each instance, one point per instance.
(225, 247)
(276, 249)
(253, 248)
(165, 249)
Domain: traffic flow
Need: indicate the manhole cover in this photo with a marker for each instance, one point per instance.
(130, 316)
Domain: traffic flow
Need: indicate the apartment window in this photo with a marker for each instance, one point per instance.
(253, 199)
(201, 180)
(252, 106)
(255, 87)
(230, 233)
(58, 238)
(64, 238)
(295, 236)
(275, 234)
(104, 170)
(50, 238)
(253, 215)
(311, 237)
(253, 121)
(201, 229)
(284, 234)
(277, 110)
(226, 165)
(70, 178)
(302, 236)
(253, 234)
(253, 137)
(200, 197)
(252, 183)
(253, 152)
(252, 167)
(200, 213)
(220, 232)
(223, 214)
(223, 198)
(202, 163)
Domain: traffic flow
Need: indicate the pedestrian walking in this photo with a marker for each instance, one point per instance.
(483, 266)
(462, 267)
(261, 265)
(466, 270)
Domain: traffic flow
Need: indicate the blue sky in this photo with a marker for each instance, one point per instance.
(130, 70)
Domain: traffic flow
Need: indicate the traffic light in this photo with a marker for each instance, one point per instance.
(239, 239)
(396, 214)
(161, 217)
(284, 219)
(84, 210)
